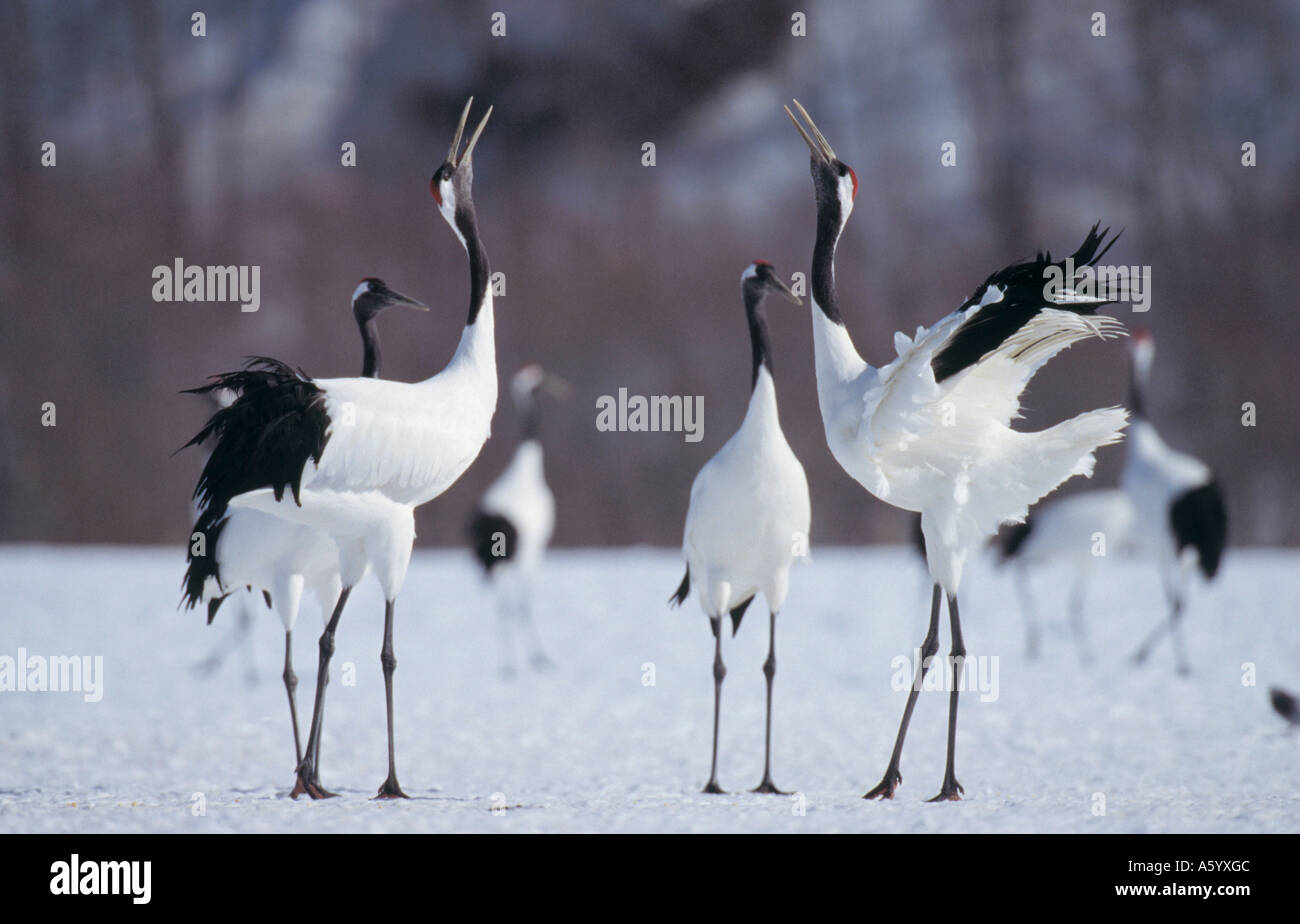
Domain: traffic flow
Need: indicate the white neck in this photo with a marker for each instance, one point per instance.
(837, 360)
(762, 411)
(528, 457)
(476, 356)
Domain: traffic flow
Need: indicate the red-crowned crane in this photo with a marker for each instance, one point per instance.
(748, 517)
(930, 431)
(282, 559)
(1179, 510)
(355, 457)
(512, 525)
(1169, 510)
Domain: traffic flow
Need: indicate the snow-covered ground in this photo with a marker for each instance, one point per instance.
(593, 746)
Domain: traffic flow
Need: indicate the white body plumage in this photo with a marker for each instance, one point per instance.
(520, 494)
(749, 513)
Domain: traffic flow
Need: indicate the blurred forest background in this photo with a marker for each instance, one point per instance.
(225, 149)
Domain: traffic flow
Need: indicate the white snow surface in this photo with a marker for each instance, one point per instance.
(590, 746)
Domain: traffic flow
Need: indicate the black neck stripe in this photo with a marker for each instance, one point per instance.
(759, 341)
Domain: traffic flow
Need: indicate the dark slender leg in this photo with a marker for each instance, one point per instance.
(1175, 630)
(769, 671)
(320, 734)
(389, 789)
(1170, 625)
(537, 657)
(308, 778)
(291, 686)
(889, 782)
(505, 635)
(952, 790)
(719, 672)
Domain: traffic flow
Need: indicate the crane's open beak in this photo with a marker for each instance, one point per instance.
(781, 287)
(820, 148)
(464, 158)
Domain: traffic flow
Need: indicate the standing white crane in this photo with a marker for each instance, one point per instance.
(1178, 505)
(255, 550)
(930, 431)
(512, 526)
(748, 517)
(357, 456)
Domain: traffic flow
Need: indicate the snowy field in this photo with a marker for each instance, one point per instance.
(589, 746)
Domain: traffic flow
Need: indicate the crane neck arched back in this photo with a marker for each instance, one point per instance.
(830, 224)
(838, 361)
(479, 271)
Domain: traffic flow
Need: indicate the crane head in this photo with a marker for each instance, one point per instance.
(1142, 347)
(835, 182)
(762, 274)
(373, 296)
(451, 183)
(533, 379)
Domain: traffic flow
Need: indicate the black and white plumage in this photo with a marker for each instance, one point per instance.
(1285, 704)
(1179, 512)
(259, 551)
(512, 525)
(749, 516)
(355, 457)
(931, 430)
(1169, 510)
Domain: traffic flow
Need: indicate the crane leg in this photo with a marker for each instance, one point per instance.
(769, 671)
(889, 782)
(1033, 634)
(308, 776)
(952, 790)
(1077, 627)
(1172, 625)
(1176, 632)
(537, 656)
(389, 789)
(1144, 650)
(291, 687)
(719, 672)
(505, 637)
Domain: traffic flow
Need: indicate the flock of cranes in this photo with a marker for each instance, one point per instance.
(311, 484)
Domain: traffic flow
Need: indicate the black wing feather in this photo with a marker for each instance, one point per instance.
(1013, 537)
(738, 613)
(1200, 519)
(683, 589)
(484, 528)
(1286, 705)
(262, 440)
(1023, 297)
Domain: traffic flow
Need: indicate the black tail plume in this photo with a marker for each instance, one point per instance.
(683, 589)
